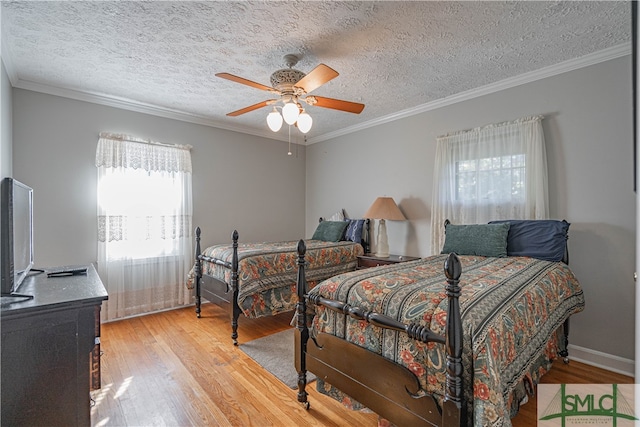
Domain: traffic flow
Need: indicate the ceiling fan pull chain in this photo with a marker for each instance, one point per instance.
(289, 153)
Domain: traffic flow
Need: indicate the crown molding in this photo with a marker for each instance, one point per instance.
(140, 107)
(101, 99)
(553, 70)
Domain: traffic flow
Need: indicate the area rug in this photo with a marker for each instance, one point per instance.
(275, 354)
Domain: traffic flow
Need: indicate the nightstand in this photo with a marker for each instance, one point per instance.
(370, 260)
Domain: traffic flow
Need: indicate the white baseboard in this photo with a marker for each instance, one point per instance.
(133, 316)
(602, 360)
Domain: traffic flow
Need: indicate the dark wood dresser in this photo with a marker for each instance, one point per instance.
(47, 349)
(370, 260)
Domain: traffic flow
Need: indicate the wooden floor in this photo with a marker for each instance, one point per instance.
(172, 369)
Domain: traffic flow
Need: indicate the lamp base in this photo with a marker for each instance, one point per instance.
(382, 250)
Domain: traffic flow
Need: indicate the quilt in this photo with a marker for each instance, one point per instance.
(267, 272)
(512, 309)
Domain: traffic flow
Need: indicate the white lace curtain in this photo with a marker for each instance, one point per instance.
(489, 173)
(144, 224)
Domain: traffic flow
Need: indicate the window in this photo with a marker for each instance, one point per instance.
(144, 224)
(144, 211)
(491, 179)
(489, 173)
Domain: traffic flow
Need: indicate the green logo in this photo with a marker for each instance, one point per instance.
(585, 407)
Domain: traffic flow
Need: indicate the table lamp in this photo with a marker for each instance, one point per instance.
(384, 208)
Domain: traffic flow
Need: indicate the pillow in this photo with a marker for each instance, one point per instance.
(330, 231)
(543, 238)
(354, 230)
(476, 239)
(338, 216)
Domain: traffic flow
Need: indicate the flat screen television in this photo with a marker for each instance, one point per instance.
(16, 227)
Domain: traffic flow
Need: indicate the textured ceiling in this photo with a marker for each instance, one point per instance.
(391, 56)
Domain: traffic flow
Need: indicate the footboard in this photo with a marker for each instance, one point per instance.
(213, 289)
(392, 391)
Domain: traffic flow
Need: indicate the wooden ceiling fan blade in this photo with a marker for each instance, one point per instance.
(250, 108)
(245, 82)
(316, 78)
(338, 104)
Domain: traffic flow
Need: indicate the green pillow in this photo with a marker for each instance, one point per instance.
(330, 231)
(476, 239)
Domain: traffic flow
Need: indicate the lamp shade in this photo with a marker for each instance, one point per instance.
(385, 208)
(290, 112)
(304, 122)
(274, 120)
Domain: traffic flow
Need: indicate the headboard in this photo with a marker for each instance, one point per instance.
(365, 225)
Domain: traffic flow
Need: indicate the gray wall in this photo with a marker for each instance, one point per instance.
(5, 123)
(239, 181)
(5, 115)
(588, 131)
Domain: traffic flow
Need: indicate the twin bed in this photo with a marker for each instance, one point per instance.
(460, 338)
(398, 341)
(259, 279)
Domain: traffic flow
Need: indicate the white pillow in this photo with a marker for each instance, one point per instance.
(338, 216)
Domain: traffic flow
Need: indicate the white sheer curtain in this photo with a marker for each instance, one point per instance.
(493, 172)
(144, 224)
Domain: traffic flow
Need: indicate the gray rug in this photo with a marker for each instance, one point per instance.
(275, 354)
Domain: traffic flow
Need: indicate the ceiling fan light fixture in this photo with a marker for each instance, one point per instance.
(290, 86)
(274, 120)
(304, 122)
(290, 112)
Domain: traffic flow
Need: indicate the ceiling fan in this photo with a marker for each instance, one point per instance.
(293, 87)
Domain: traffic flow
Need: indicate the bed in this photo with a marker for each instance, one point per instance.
(259, 279)
(461, 348)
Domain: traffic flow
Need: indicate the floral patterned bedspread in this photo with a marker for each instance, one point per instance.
(512, 309)
(267, 272)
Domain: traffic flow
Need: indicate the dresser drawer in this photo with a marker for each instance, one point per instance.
(370, 260)
(373, 262)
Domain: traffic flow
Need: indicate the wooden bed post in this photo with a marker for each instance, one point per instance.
(198, 272)
(366, 236)
(227, 287)
(564, 352)
(453, 412)
(235, 308)
(302, 331)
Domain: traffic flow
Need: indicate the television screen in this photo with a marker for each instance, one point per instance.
(17, 233)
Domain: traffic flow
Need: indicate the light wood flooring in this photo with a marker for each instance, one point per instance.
(172, 369)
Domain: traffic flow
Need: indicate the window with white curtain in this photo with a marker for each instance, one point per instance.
(144, 224)
(489, 173)
(491, 179)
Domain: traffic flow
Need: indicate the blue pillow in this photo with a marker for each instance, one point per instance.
(354, 230)
(476, 239)
(543, 238)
